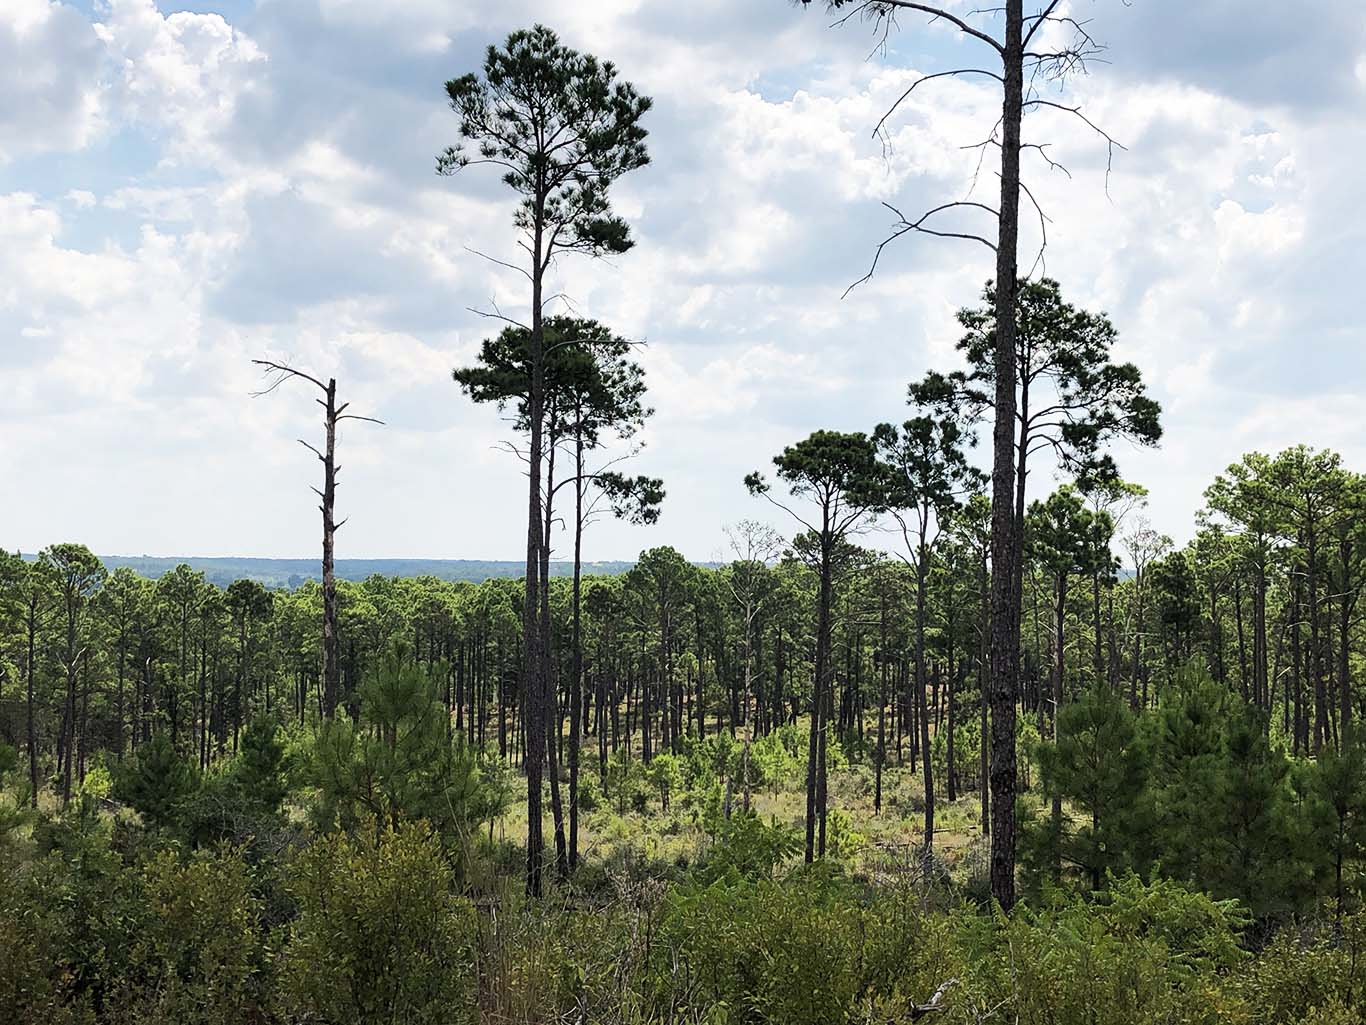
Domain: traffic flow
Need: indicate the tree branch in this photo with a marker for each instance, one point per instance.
(284, 372)
(880, 9)
(906, 227)
(925, 78)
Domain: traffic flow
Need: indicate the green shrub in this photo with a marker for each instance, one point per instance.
(381, 936)
(760, 952)
(199, 954)
(749, 847)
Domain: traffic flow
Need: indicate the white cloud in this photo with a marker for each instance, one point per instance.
(49, 78)
(181, 74)
(289, 208)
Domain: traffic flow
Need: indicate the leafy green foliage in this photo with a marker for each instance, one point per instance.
(400, 763)
(156, 781)
(534, 89)
(749, 847)
(1098, 764)
(381, 934)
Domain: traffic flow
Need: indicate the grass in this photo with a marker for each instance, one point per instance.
(878, 842)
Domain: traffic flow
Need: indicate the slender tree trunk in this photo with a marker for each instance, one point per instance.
(1242, 638)
(69, 710)
(576, 672)
(1059, 617)
(549, 684)
(31, 624)
(118, 707)
(1259, 645)
(1345, 600)
(921, 686)
(983, 680)
(1321, 729)
(331, 666)
(1095, 620)
(951, 700)
(1005, 623)
(532, 684)
(881, 700)
(815, 749)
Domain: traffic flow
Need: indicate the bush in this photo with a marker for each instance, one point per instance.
(1149, 954)
(750, 848)
(199, 953)
(381, 935)
(760, 952)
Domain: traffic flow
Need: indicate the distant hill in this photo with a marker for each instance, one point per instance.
(294, 572)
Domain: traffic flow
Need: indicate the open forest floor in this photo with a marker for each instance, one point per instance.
(861, 839)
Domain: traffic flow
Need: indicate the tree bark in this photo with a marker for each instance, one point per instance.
(1005, 635)
(921, 685)
(532, 684)
(331, 667)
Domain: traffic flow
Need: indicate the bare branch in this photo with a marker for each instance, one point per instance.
(501, 263)
(1110, 142)
(905, 227)
(877, 130)
(285, 372)
(880, 9)
(1043, 227)
(1039, 19)
(1053, 165)
(497, 314)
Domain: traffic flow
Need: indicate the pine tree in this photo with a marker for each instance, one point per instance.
(1099, 765)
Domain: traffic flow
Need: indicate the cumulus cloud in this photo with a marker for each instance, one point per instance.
(182, 191)
(49, 77)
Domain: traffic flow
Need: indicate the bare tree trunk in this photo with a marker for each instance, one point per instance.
(576, 674)
(1059, 618)
(331, 670)
(1345, 601)
(1321, 729)
(881, 700)
(950, 773)
(1005, 635)
(983, 678)
(533, 684)
(921, 686)
(333, 414)
(31, 622)
(815, 767)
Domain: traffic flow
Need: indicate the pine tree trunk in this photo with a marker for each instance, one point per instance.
(532, 683)
(576, 671)
(921, 688)
(331, 667)
(1005, 629)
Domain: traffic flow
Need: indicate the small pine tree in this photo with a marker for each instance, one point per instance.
(1337, 806)
(156, 782)
(1099, 765)
(400, 763)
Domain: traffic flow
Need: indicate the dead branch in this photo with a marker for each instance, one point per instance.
(283, 372)
(1110, 142)
(905, 227)
(497, 314)
(883, 9)
(933, 1006)
(926, 78)
(500, 263)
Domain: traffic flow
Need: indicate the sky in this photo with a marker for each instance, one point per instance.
(186, 187)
